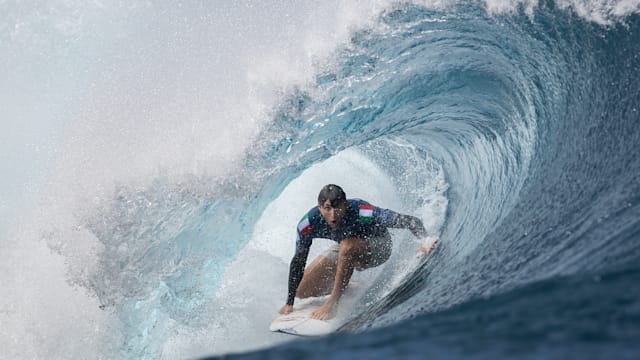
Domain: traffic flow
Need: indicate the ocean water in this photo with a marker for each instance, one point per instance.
(156, 159)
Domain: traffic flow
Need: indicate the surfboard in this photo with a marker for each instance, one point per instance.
(300, 323)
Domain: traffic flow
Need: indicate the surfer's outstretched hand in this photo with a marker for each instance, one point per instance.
(286, 309)
(429, 244)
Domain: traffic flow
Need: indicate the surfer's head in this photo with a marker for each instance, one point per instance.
(332, 203)
(332, 193)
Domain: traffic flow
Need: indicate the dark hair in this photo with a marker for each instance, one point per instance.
(334, 194)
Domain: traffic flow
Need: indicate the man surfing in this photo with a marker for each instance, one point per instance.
(360, 231)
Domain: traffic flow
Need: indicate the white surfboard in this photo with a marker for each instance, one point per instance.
(300, 323)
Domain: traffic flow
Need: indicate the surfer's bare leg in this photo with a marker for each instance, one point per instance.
(318, 278)
(354, 252)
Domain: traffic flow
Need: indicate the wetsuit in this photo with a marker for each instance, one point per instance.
(361, 220)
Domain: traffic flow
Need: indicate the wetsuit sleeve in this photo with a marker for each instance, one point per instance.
(296, 268)
(392, 219)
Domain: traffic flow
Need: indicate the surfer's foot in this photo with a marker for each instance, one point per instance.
(324, 312)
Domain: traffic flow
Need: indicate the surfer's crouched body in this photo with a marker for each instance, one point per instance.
(362, 241)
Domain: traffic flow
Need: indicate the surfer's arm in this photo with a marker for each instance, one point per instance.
(392, 219)
(411, 223)
(296, 270)
(304, 238)
(415, 225)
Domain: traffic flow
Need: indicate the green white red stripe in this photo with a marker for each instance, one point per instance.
(304, 226)
(366, 213)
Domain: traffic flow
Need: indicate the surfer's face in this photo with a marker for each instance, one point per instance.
(332, 215)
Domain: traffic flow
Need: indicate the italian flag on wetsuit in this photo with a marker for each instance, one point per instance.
(366, 213)
(304, 227)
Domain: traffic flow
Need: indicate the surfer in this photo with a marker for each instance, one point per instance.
(360, 231)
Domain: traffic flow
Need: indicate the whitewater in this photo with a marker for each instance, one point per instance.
(156, 158)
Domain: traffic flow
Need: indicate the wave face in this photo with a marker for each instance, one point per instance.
(512, 132)
(534, 120)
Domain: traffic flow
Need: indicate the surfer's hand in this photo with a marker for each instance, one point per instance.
(429, 244)
(286, 309)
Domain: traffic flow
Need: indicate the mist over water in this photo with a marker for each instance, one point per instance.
(156, 158)
(118, 116)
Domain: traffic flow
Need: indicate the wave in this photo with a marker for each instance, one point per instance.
(163, 227)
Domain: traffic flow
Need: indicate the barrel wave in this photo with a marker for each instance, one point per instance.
(512, 132)
(533, 119)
